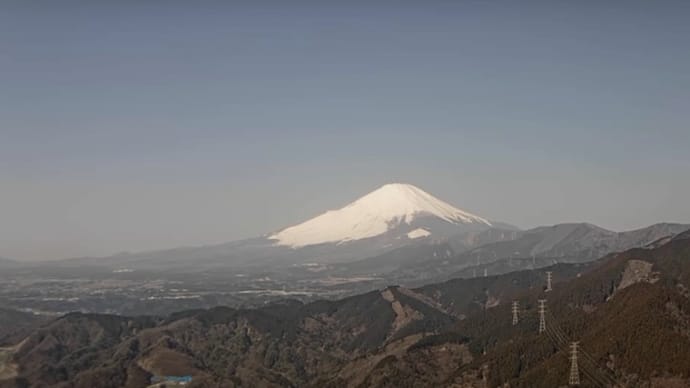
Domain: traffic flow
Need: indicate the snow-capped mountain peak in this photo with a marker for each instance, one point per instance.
(389, 207)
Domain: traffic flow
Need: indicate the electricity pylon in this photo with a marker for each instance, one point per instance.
(574, 371)
(548, 281)
(516, 318)
(542, 315)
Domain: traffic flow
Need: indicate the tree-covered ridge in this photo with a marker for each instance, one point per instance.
(630, 313)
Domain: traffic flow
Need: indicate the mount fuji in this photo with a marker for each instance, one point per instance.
(395, 211)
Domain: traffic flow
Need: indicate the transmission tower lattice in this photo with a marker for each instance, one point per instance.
(516, 318)
(548, 281)
(574, 371)
(542, 315)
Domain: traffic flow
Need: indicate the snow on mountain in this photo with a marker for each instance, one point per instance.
(389, 207)
(418, 233)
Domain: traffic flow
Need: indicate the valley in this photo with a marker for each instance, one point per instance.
(137, 293)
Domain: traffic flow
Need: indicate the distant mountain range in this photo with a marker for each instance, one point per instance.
(578, 241)
(499, 251)
(629, 311)
(400, 232)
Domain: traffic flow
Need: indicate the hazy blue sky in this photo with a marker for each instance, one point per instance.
(132, 125)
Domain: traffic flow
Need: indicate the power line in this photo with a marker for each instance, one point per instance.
(594, 374)
(562, 343)
(603, 373)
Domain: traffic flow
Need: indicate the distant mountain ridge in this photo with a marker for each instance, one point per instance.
(379, 227)
(581, 240)
(534, 248)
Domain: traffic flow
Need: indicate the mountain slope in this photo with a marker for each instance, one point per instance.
(286, 344)
(390, 207)
(15, 325)
(536, 248)
(580, 241)
(630, 311)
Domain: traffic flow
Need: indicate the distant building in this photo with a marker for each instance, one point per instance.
(182, 380)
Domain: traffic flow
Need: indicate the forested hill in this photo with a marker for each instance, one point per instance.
(630, 313)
